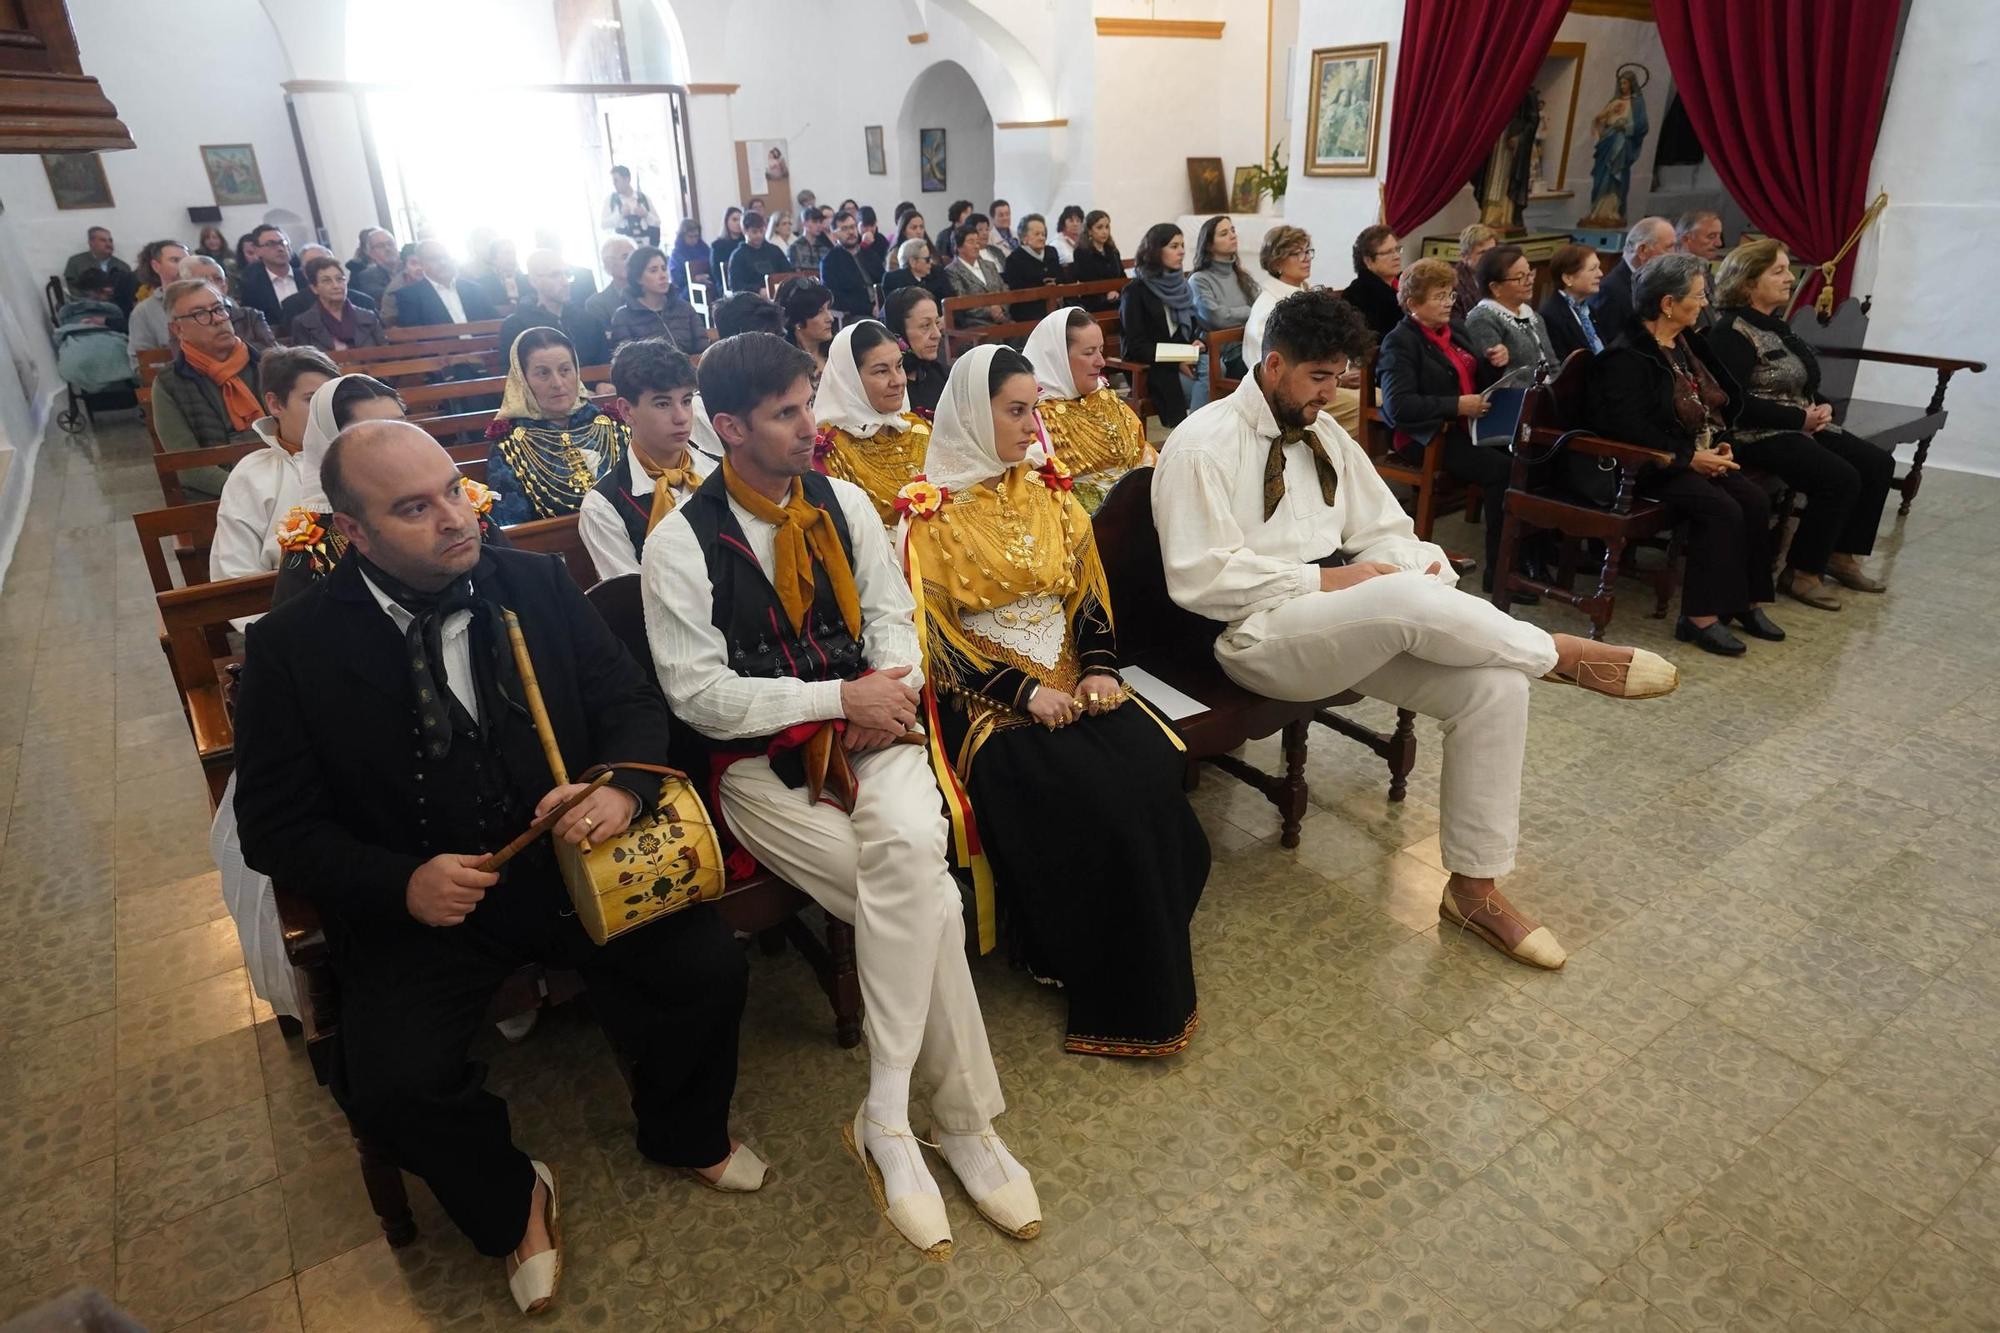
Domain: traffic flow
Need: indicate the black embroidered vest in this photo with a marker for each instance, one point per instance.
(632, 510)
(746, 607)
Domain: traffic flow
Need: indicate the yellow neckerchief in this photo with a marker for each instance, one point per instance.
(665, 481)
(881, 466)
(804, 531)
(1094, 432)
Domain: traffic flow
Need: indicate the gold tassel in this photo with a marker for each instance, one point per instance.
(1823, 303)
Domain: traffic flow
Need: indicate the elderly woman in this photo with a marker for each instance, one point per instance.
(1503, 319)
(1288, 258)
(1431, 373)
(1158, 307)
(915, 316)
(1473, 243)
(1378, 267)
(1031, 263)
(1091, 430)
(914, 264)
(1787, 428)
(867, 433)
(1660, 387)
(1578, 273)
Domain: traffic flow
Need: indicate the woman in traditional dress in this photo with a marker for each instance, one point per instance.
(912, 315)
(867, 433)
(550, 442)
(1092, 431)
(1028, 716)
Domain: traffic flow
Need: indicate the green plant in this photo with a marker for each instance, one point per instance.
(1272, 177)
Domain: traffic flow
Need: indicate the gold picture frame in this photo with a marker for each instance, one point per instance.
(1243, 192)
(1344, 115)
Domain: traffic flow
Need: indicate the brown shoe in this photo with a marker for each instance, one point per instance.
(1814, 592)
(1851, 576)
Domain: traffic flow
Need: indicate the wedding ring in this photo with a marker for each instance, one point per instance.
(588, 823)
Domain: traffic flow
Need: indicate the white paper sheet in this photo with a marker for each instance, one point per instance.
(1171, 703)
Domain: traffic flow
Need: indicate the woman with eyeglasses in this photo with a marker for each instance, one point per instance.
(1287, 257)
(1505, 326)
(1378, 267)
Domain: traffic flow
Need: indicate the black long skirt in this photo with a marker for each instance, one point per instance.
(1098, 863)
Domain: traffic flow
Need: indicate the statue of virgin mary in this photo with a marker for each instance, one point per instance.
(1621, 132)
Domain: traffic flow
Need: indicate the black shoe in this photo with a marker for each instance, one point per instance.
(1519, 598)
(1760, 626)
(1710, 638)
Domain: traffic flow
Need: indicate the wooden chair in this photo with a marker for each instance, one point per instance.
(1537, 502)
(1432, 488)
(1838, 342)
(1177, 646)
(1219, 384)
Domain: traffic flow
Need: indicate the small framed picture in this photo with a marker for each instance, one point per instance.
(1206, 185)
(77, 180)
(1345, 115)
(878, 164)
(233, 174)
(931, 160)
(1243, 192)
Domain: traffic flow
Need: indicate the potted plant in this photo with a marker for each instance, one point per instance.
(1273, 176)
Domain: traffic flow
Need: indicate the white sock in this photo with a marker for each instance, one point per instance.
(886, 1136)
(980, 1160)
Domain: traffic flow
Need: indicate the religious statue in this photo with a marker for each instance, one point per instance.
(1621, 132)
(1502, 185)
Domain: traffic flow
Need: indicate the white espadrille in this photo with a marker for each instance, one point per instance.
(534, 1282)
(743, 1173)
(1646, 676)
(918, 1216)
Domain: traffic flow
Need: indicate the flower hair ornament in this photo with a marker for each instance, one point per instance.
(921, 499)
(1054, 475)
(299, 530)
(479, 495)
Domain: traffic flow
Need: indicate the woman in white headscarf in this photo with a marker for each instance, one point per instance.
(867, 433)
(1028, 717)
(1095, 433)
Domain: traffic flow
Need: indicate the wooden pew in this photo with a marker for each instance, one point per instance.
(1538, 502)
(1179, 647)
(1838, 342)
(359, 358)
(959, 336)
(416, 333)
(422, 396)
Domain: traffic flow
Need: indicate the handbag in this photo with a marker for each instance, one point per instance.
(1592, 479)
(656, 867)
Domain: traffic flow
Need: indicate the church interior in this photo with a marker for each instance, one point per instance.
(1697, 431)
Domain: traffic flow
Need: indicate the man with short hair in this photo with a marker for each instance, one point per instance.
(602, 304)
(1473, 243)
(147, 328)
(873, 252)
(207, 395)
(658, 400)
(384, 752)
(840, 270)
(247, 324)
(372, 278)
(747, 312)
(1699, 233)
(971, 274)
(550, 303)
(441, 298)
(629, 212)
(1611, 308)
(1273, 521)
(812, 245)
(96, 254)
(782, 629)
(275, 276)
(756, 259)
(805, 199)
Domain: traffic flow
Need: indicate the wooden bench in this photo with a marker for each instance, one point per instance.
(1838, 342)
(360, 358)
(1177, 646)
(1538, 502)
(419, 397)
(417, 333)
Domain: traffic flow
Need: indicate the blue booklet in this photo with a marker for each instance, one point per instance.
(1502, 421)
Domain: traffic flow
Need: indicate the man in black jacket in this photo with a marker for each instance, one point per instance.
(384, 748)
(756, 259)
(841, 271)
(1611, 308)
(265, 285)
(441, 298)
(552, 303)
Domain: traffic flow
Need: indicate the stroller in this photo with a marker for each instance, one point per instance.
(91, 355)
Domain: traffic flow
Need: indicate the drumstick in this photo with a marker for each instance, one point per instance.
(533, 690)
(540, 826)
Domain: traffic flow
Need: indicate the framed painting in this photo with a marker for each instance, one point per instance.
(77, 180)
(232, 173)
(878, 163)
(1243, 193)
(1344, 116)
(1207, 184)
(931, 160)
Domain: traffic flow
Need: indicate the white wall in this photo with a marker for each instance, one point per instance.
(1335, 208)
(943, 97)
(234, 98)
(1930, 262)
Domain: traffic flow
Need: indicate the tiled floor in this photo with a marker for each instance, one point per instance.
(1764, 1094)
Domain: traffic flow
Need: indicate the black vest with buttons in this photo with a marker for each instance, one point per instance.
(746, 607)
(633, 511)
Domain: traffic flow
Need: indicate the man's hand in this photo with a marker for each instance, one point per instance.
(861, 740)
(1497, 354)
(445, 889)
(605, 813)
(880, 701)
(1346, 576)
(1473, 405)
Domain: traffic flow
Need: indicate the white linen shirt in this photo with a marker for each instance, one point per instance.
(1223, 558)
(603, 529)
(454, 640)
(692, 657)
(261, 489)
(1260, 315)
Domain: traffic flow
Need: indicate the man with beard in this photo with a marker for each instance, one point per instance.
(1273, 521)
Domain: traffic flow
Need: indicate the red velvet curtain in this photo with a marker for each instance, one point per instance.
(1462, 70)
(1786, 97)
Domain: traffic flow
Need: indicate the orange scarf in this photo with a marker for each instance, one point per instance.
(804, 531)
(665, 479)
(227, 375)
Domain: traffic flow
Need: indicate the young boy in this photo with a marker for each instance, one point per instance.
(656, 394)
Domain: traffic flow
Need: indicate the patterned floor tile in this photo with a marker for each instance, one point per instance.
(1972, 1221)
(1659, 1125)
(1374, 1170)
(1816, 1029)
(1838, 1234)
(1937, 1285)
(275, 1309)
(1730, 1071)
(1616, 1308)
(1275, 1238)
(164, 962)
(176, 1089)
(1703, 1273)
(1493, 1265)
(185, 1016)
(48, 1136)
(1379, 1295)
(61, 1221)
(1870, 1144)
(146, 914)
(1619, 1009)
(1601, 1204)
(1155, 1278)
(1544, 1055)
(185, 1171)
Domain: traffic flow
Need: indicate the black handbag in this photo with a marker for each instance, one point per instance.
(1591, 478)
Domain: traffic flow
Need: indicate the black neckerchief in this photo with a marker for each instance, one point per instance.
(496, 679)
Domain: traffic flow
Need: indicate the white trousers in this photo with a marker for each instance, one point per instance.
(883, 869)
(1409, 640)
(254, 907)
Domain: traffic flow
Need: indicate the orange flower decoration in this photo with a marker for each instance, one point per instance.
(479, 495)
(300, 530)
(921, 498)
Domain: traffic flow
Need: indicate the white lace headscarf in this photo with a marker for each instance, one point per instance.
(961, 453)
(1048, 353)
(842, 400)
